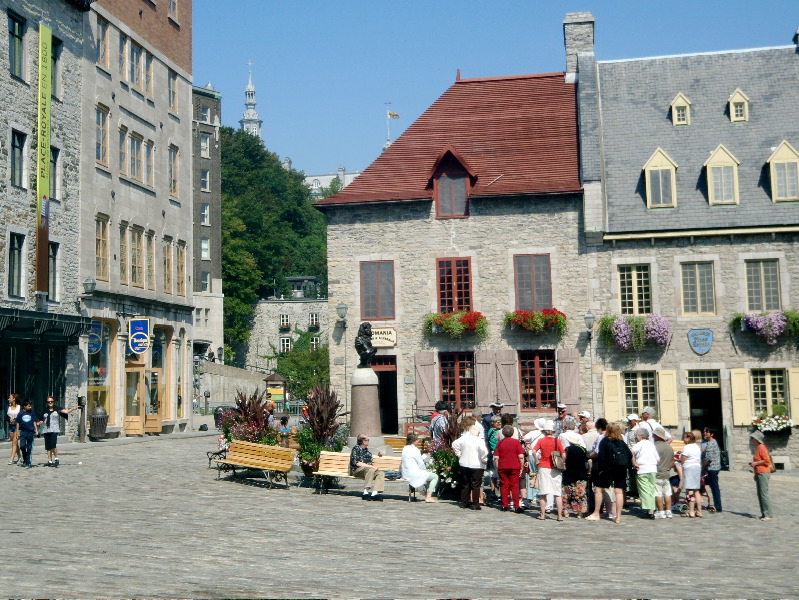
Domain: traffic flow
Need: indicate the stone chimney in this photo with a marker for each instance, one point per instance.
(578, 37)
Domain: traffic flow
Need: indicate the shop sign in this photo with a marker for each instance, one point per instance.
(700, 340)
(96, 337)
(384, 337)
(138, 335)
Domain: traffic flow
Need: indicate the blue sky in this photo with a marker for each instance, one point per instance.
(323, 70)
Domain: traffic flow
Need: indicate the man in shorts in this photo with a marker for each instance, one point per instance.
(663, 489)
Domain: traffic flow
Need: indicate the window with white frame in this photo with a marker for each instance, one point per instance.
(205, 184)
(135, 157)
(123, 253)
(769, 390)
(150, 259)
(205, 213)
(698, 294)
(680, 110)
(149, 171)
(784, 171)
(722, 177)
(16, 263)
(206, 114)
(173, 171)
(135, 53)
(137, 257)
(640, 390)
(660, 172)
(101, 135)
(205, 248)
(763, 285)
(285, 344)
(167, 264)
(635, 293)
(173, 9)
(316, 342)
(148, 74)
(103, 44)
(205, 281)
(739, 106)
(205, 146)
(284, 321)
(123, 151)
(313, 319)
(101, 247)
(172, 90)
(123, 55)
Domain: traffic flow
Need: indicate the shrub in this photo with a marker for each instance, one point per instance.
(248, 420)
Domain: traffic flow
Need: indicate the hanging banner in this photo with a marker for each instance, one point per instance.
(139, 335)
(43, 155)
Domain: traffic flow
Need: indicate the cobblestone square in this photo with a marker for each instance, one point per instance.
(145, 517)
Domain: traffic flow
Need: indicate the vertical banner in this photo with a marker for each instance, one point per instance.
(43, 157)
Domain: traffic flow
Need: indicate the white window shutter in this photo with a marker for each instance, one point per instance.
(667, 395)
(741, 397)
(612, 396)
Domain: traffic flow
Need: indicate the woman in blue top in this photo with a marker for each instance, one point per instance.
(284, 431)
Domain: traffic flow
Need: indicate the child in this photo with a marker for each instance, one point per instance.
(28, 427)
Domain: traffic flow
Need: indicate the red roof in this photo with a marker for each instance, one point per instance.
(516, 135)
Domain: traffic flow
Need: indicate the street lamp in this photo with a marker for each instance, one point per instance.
(89, 285)
(341, 311)
(589, 319)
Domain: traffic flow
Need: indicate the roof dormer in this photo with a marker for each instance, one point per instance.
(739, 106)
(680, 110)
(452, 179)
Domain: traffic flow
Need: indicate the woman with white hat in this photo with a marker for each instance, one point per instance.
(530, 438)
(549, 478)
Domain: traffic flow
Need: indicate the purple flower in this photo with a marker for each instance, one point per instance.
(622, 333)
(769, 325)
(658, 329)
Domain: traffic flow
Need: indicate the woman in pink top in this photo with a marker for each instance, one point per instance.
(549, 479)
(509, 458)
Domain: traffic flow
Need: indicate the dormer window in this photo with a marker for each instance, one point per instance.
(739, 106)
(661, 180)
(452, 180)
(722, 177)
(680, 110)
(784, 168)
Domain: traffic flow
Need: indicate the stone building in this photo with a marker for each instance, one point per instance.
(207, 249)
(689, 166)
(277, 323)
(137, 213)
(475, 207)
(41, 77)
(318, 182)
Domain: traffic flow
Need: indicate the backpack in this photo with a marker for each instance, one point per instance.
(618, 456)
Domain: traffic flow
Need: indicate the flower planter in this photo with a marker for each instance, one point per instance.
(543, 322)
(456, 324)
(436, 328)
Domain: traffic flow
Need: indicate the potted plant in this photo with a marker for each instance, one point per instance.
(248, 420)
(778, 422)
(770, 326)
(549, 320)
(634, 332)
(324, 430)
(456, 324)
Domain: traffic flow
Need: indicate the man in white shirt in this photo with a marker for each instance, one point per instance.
(591, 435)
(648, 421)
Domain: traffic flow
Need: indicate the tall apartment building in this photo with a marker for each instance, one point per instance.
(41, 85)
(207, 254)
(136, 213)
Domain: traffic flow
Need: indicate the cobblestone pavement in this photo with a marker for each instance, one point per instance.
(147, 518)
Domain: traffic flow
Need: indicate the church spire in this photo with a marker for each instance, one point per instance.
(250, 122)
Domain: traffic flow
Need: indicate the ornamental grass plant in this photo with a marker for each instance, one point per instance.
(247, 421)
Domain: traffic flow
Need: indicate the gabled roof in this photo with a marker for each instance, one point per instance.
(515, 135)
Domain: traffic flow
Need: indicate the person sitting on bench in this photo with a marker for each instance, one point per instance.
(362, 468)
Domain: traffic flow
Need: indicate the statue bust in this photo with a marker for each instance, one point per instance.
(363, 345)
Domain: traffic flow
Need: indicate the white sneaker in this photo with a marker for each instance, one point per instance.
(660, 514)
(669, 515)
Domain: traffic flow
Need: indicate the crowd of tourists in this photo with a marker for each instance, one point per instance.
(24, 425)
(573, 465)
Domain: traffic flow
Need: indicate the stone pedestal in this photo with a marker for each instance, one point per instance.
(365, 408)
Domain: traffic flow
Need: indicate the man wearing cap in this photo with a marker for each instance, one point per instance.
(584, 416)
(761, 463)
(496, 411)
(648, 421)
(562, 418)
(665, 465)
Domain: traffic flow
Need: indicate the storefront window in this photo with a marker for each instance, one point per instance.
(180, 372)
(158, 374)
(100, 359)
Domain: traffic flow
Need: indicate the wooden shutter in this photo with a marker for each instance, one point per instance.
(793, 390)
(485, 378)
(425, 380)
(667, 394)
(569, 378)
(741, 397)
(507, 378)
(612, 396)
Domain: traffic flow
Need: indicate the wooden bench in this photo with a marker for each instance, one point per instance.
(398, 443)
(273, 461)
(336, 465)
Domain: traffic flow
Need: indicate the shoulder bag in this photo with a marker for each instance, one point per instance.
(558, 462)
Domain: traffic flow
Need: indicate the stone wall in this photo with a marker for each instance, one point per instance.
(224, 382)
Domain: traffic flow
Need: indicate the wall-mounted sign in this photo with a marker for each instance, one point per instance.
(700, 340)
(384, 337)
(138, 335)
(96, 337)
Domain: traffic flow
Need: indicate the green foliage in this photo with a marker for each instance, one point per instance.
(456, 324)
(247, 421)
(334, 188)
(606, 330)
(324, 430)
(792, 326)
(270, 229)
(303, 367)
(310, 447)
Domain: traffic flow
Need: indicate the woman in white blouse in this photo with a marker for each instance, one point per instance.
(691, 459)
(413, 469)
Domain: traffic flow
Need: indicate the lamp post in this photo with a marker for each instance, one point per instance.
(341, 311)
(589, 319)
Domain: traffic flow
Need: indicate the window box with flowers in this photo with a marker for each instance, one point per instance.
(779, 422)
(770, 326)
(457, 324)
(549, 320)
(634, 332)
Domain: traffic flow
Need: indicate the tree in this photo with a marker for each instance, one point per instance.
(270, 229)
(303, 366)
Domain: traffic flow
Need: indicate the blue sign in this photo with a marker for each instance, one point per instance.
(138, 335)
(700, 340)
(96, 337)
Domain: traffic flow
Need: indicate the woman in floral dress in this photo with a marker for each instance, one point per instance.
(575, 477)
